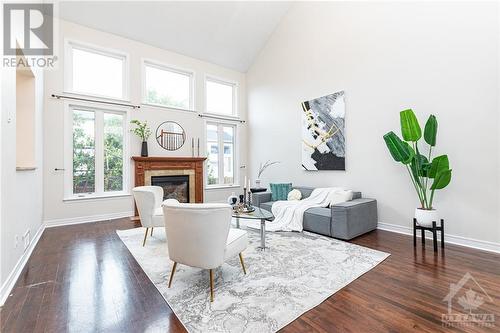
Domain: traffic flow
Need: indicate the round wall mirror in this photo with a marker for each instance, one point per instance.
(170, 135)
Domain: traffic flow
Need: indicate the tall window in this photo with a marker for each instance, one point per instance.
(168, 87)
(221, 156)
(96, 72)
(220, 97)
(97, 152)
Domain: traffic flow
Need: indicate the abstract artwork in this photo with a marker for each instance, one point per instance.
(323, 141)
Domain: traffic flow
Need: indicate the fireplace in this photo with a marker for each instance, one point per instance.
(174, 170)
(174, 187)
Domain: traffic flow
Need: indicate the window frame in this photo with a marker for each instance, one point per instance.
(169, 68)
(99, 151)
(220, 146)
(70, 44)
(219, 80)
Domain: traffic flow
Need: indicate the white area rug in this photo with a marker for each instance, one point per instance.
(298, 272)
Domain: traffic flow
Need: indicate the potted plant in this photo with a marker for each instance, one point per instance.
(426, 176)
(262, 168)
(143, 131)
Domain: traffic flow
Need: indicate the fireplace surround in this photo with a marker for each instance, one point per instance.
(190, 167)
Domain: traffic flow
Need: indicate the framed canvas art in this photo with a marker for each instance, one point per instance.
(323, 141)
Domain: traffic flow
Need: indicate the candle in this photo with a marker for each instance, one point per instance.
(245, 182)
(249, 183)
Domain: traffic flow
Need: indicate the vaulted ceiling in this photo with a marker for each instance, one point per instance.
(229, 34)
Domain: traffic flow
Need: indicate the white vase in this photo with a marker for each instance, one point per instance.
(257, 183)
(425, 217)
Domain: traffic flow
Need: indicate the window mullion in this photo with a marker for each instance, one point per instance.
(99, 152)
(235, 171)
(220, 143)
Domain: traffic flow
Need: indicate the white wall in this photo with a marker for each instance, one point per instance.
(439, 58)
(55, 209)
(21, 191)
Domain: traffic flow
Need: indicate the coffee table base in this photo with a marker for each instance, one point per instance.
(262, 246)
(262, 235)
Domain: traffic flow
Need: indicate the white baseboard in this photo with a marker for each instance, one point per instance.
(457, 240)
(11, 280)
(86, 219)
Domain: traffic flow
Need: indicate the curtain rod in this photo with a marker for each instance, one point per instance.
(95, 101)
(220, 118)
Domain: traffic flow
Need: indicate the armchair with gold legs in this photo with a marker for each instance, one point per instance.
(199, 235)
(148, 200)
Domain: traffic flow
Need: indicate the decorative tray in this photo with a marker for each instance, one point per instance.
(244, 210)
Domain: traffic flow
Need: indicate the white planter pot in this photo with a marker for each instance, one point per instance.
(425, 217)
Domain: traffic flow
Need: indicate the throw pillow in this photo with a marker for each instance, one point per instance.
(294, 195)
(339, 196)
(280, 191)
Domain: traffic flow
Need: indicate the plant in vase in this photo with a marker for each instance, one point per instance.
(262, 168)
(143, 131)
(426, 176)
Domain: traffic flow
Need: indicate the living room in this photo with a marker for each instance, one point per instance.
(250, 166)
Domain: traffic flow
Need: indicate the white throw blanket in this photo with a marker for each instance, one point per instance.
(289, 215)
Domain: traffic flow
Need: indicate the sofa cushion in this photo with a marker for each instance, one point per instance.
(280, 191)
(317, 220)
(267, 205)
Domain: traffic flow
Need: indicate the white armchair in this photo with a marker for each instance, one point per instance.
(199, 235)
(148, 200)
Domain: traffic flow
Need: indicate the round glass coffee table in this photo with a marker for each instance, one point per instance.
(258, 214)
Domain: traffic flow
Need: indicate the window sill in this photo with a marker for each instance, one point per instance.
(97, 197)
(221, 187)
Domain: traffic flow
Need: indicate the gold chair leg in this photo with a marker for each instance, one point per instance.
(172, 274)
(145, 236)
(243, 264)
(211, 285)
(151, 231)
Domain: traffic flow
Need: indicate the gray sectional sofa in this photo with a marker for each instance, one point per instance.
(345, 220)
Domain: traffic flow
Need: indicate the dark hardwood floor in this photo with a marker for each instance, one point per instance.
(82, 278)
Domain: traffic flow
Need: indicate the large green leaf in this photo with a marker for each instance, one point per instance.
(400, 150)
(408, 153)
(441, 180)
(439, 164)
(419, 166)
(430, 130)
(410, 127)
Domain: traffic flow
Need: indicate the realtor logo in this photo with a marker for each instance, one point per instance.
(470, 296)
(28, 29)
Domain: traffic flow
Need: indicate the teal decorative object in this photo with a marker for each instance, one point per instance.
(280, 191)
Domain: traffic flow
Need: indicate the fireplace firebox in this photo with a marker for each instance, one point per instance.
(174, 187)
